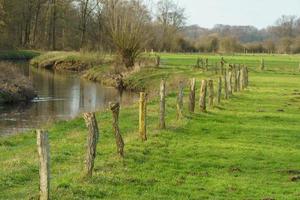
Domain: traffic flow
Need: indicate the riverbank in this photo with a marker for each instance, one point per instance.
(101, 68)
(245, 148)
(14, 87)
(18, 54)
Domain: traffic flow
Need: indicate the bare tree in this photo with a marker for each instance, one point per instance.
(171, 18)
(127, 24)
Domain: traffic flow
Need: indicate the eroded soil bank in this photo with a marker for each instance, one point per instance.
(14, 87)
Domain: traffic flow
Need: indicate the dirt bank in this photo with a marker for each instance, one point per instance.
(14, 87)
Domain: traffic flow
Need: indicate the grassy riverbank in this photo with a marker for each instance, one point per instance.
(18, 54)
(246, 148)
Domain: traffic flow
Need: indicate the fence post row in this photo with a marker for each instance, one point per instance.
(92, 140)
(44, 163)
(115, 108)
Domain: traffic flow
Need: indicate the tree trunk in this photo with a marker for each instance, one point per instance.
(203, 92)
(162, 123)
(142, 116)
(192, 95)
(92, 140)
(115, 108)
(44, 160)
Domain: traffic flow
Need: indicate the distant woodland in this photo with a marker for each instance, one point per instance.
(131, 26)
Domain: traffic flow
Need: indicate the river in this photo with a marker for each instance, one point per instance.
(61, 96)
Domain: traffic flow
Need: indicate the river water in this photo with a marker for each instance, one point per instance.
(61, 96)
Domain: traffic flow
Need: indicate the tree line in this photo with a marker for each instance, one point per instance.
(130, 27)
(282, 37)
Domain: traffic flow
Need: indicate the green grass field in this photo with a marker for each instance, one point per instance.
(246, 148)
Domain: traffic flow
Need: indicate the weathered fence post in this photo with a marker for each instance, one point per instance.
(225, 85)
(262, 64)
(92, 140)
(206, 64)
(238, 78)
(229, 81)
(192, 95)
(222, 65)
(157, 61)
(44, 160)
(198, 63)
(162, 109)
(247, 76)
(219, 90)
(180, 101)
(142, 117)
(202, 100)
(242, 78)
(235, 75)
(115, 108)
(211, 93)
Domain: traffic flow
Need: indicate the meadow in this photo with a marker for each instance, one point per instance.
(245, 148)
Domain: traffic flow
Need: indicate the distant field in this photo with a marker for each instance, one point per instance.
(246, 148)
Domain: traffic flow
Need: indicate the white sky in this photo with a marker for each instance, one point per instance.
(259, 13)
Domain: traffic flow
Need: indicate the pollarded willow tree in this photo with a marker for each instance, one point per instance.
(127, 23)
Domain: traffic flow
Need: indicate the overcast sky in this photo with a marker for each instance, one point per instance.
(259, 13)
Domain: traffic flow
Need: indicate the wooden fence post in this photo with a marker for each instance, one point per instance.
(162, 110)
(242, 77)
(225, 85)
(238, 78)
(211, 93)
(180, 101)
(229, 82)
(222, 66)
(157, 61)
(115, 108)
(247, 76)
(206, 64)
(142, 117)
(262, 64)
(202, 100)
(92, 140)
(192, 95)
(219, 90)
(235, 89)
(44, 160)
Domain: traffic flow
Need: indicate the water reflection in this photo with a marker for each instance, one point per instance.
(61, 96)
